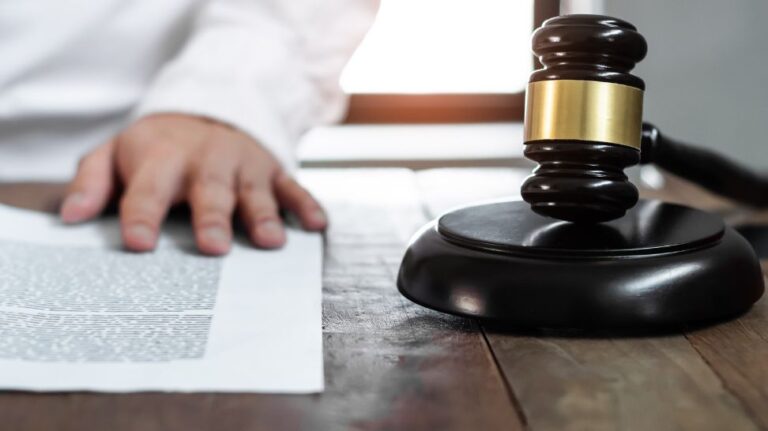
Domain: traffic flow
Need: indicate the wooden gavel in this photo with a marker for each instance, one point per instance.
(583, 126)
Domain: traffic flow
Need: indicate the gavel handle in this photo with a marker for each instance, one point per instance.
(705, 168)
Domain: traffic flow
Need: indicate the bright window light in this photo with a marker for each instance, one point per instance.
(444, 46)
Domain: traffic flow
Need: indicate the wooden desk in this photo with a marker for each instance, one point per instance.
(392, 365)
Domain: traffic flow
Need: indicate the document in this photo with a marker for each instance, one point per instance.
(77, 312)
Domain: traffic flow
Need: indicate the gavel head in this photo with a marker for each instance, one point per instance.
(583, 118)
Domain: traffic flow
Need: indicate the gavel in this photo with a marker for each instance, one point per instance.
(616, 262)
(583, 126)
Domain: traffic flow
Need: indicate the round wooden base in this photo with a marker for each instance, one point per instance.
(660, 265)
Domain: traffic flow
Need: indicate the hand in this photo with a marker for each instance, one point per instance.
(165, 159)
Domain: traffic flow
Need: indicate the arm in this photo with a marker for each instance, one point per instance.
(218, 125)
(267, 67)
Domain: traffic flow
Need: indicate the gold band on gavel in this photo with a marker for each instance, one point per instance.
(584, 111)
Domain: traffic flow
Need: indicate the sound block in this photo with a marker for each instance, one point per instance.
(660, 265)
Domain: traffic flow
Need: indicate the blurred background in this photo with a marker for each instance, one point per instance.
(440, 82)
(444, 46)
(705, 71)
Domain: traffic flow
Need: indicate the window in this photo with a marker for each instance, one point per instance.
(444, 46)
(444, 61)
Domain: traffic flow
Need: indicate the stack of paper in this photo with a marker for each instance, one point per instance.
(79, 313)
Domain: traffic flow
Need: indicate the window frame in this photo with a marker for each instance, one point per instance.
(446, 108)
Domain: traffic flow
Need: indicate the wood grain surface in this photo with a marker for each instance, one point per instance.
(711, 379)
(391, 365)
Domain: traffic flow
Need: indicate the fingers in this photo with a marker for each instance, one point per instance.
(162, 159)
(212, 199)
(147, 197)
(89, 192)
(292, 196)
(259, 208)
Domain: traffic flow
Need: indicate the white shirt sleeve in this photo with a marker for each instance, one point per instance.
(267, 67)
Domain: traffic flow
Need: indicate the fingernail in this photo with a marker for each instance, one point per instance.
(142, 234)
(216, 235)
(318, 218)
(76, 198)
(269, 233)
(72, 205)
